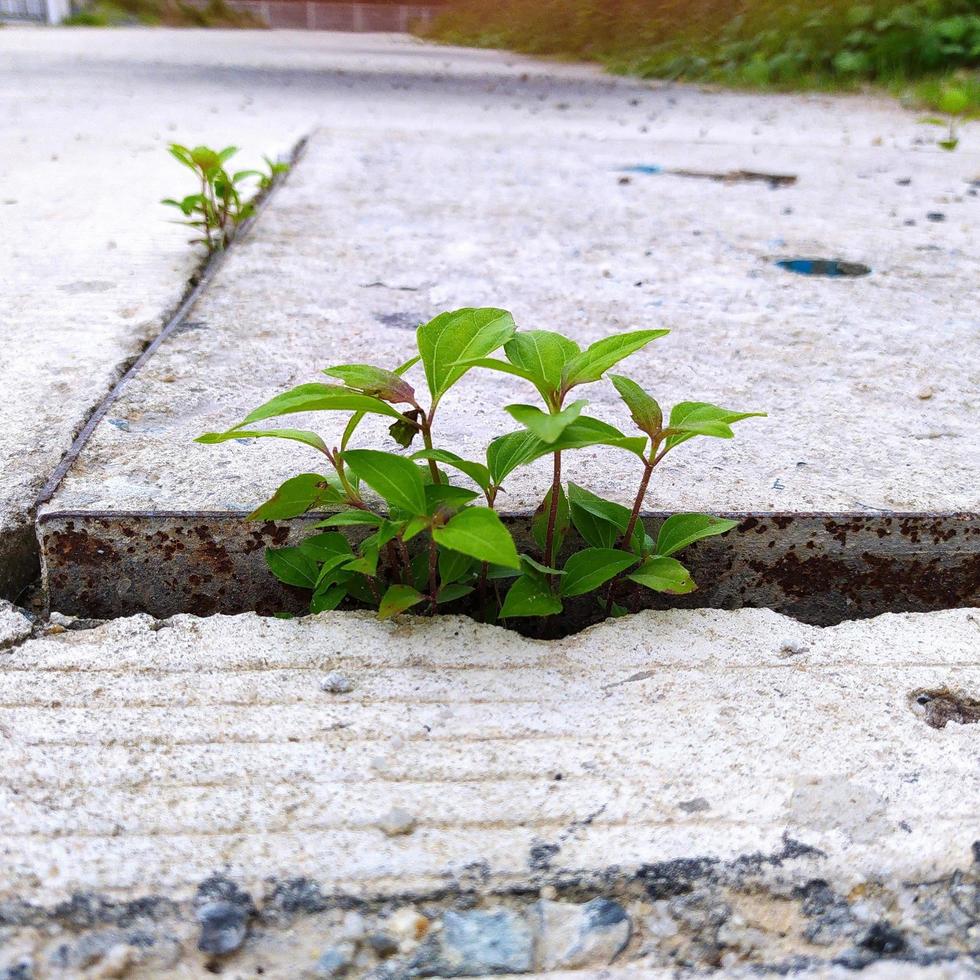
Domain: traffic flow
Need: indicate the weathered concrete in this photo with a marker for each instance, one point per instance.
(14, 625)
(871, 444)
(747, 790)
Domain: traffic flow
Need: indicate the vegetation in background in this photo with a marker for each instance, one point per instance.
(768, 43)
(169, 13)
(218, 207)
(428, 543)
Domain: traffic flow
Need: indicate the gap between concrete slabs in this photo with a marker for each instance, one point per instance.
(341, 265)
(819, 568)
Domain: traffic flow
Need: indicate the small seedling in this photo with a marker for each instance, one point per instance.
(953, 103)
(219, 207)
(427, 543)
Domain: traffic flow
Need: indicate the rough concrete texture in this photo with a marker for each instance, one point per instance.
(14, 625)
(740, 789)
(427, 193)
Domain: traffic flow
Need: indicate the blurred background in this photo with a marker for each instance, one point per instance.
(925, 51)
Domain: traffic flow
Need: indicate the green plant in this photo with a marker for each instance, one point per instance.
(431, 544)
(219, 207)
(953, 101)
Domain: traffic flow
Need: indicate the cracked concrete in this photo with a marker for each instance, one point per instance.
(677, 761)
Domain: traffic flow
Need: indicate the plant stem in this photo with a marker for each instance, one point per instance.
(353, 497)
(549, 541)
(406, 561)
(426, 423)
(433, 574)
(637, 503)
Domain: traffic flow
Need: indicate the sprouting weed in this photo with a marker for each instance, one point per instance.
(430, 542)
(219, 207)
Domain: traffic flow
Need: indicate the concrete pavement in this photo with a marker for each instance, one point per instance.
(747, 790)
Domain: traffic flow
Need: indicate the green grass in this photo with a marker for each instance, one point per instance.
(926, 50)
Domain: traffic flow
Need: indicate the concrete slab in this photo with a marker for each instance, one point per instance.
(460, 188)
(14, 625)
(746, 790)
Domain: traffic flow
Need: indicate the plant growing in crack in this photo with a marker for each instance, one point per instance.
(218, 208)
(429, 543)
(953, 102)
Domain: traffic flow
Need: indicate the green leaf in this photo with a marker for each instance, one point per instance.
(664, 575)
(328, 599)
(396, 479)
(506, 453)
(953, 101)
(316, 397)
(529, 564)
(450, 593)
(586, 431)
(453, 565)
(367, 562)
(530, 596)
(457, 336)
(296, 496)
(690, 419)
(644, 410)
(351, 518)
(358, 417)
(477, 472)
(397, 599)
(443, 495)
(291, 566)
(380, 383)
(680, 530)
(539, 523)
(608, 512)
(323, 547)
(500, 572)
(479, 532)
(541, 355)
(586, 570)
(331, 572)
(545, 426)
(296, 435)
(492, 364)
(597, 358)
(415, 526)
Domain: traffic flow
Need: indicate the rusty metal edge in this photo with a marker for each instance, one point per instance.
(210, 269)
(841, 515)
(819, 567)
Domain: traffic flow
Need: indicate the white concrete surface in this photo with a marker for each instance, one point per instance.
(14, 625)
(423, 192)
(139, 757)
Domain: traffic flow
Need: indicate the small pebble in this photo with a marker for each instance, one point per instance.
(396, 822)
(334, 962)
(382, 945)
(408, 926)
(925, 394)
(336, 683)
(936, 216)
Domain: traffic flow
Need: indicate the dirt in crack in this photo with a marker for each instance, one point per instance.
(939, 706)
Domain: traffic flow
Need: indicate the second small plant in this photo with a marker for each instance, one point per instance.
(223, 200)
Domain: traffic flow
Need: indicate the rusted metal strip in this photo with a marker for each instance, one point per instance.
(821, 568)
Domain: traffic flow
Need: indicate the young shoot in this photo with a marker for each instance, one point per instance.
(425, 542)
